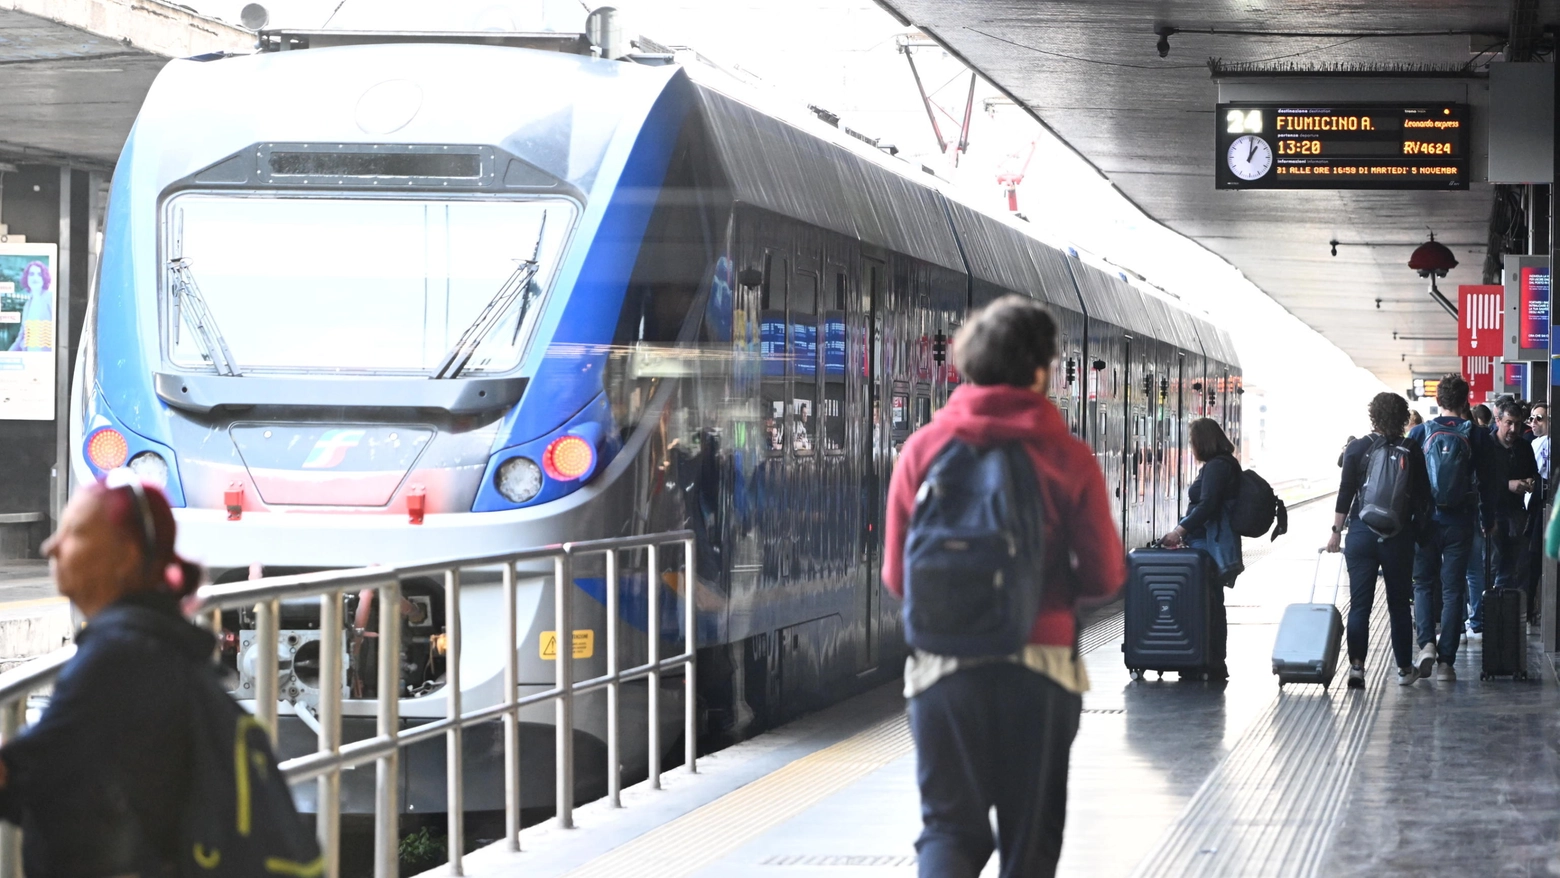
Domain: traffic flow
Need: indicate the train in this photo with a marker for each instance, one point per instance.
(407, 301)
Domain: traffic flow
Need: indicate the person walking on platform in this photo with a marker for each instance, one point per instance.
(1538, 422)
(1372, 549)
(1460, 460)
(1206, 526)
(998, 731)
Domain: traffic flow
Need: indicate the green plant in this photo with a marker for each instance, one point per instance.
(423, 849)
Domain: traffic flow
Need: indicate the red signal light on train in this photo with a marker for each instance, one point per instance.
(107, 449)
(568, 458)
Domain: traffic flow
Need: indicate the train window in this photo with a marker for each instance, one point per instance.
(923, 411)
(901, 412)
(839, 290)
(804, 361)
(832, 405)
(773, 350)
(834, 417)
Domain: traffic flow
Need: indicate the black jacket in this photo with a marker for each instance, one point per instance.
(99, 785)
(1210, 493)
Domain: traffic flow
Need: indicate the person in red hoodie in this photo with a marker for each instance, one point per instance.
(998, 732)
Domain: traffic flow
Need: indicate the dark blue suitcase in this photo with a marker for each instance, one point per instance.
(1166, 615)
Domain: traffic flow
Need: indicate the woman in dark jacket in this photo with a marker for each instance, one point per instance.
(99, 785)
(1367, 552)
(1206, 526)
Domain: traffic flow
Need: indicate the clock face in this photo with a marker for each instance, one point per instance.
(1249, 157)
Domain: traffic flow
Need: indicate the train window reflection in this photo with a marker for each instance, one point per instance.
(361, 284)
(804, 360)
(901, 412)
(923, 411)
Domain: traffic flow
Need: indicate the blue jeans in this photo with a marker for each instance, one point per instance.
(1367, 554)
(1476, 582)
(1441, 564)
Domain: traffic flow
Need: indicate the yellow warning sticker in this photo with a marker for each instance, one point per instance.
(584, 644)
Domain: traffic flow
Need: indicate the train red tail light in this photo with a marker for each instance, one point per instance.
(416, 503)
(568, 458)
(107, 449)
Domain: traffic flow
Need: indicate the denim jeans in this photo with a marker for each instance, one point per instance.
(1476, 582)
(998, 736)
(1441, 564)
(1367, 554)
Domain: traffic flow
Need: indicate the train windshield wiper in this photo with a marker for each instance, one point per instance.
(192, 306)
(519, 282)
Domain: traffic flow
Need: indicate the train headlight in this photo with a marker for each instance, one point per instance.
(518, 479)
(107, 449)
(568, 458)
(151, 467)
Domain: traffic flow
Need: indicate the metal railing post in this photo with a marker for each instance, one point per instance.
(690, 683)
(328, 786)
(614, 754)
(512, 799)
(653, 681)
(267, 687)
(12, 717)
(387, 805)
(563, 656)
(455, 798)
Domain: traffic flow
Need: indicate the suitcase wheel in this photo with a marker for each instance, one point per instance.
(1483, 676)
(1137, 673)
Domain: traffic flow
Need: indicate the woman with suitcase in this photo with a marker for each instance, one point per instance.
(1383, 498)
(1206, 526)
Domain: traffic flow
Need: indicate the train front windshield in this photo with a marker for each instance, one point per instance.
(370, 285)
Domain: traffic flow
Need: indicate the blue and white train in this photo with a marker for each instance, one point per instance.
(395, 302)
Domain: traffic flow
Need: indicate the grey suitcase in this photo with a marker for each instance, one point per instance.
(1306, 649)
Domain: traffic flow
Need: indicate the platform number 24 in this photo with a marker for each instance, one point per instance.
(1243, 122)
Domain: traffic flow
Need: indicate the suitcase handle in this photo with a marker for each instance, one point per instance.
(1320, 554)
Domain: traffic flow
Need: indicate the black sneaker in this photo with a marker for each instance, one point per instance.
(1356, 677)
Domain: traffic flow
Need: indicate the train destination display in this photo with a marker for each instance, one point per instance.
(1342, 146)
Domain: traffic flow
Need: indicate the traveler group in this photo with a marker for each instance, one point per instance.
(1444, 513)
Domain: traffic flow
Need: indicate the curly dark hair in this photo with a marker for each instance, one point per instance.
(1388, 414)
(1452, 393)
(1005, 342)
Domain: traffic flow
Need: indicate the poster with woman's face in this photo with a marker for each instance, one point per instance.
(28, 301)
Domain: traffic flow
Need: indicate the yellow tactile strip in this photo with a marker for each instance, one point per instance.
(704, 835)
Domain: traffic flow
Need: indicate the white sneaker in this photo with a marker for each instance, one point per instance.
(1474, 636)
(1407, 676)
(1426, 659)
(1445, 673)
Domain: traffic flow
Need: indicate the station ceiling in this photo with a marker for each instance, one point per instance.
(1090, 71)
(73, 73)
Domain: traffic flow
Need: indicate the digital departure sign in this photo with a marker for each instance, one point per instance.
(1342, 146)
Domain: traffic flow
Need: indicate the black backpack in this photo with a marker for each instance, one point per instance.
(241, 821)
(1256, 507)
(973, 553)
(1384, 495)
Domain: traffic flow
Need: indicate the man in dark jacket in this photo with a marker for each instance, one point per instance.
(100, 784)
(1516, 478)
(1442, 556)
(998, 732)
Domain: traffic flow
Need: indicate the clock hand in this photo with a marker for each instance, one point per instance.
(1253, 151)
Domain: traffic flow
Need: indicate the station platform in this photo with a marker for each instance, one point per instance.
(1168, 778)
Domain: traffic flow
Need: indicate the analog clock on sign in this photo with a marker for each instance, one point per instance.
(1249, 157)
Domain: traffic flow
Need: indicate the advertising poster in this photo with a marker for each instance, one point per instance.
(27, 308)
(1516, 373)
(1534, 308)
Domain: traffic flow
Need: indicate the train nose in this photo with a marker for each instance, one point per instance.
(323, 465)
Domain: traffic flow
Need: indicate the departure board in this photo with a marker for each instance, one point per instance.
(1342, 146)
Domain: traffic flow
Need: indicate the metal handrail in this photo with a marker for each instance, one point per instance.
(326, 764)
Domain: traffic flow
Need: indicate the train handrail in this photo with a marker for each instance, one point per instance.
(331, 757)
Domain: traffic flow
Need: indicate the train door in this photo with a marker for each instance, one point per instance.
(1179, 436)
(1124, 491)
(864, 441)
(772, 484)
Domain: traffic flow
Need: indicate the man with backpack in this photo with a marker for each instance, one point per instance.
(998, 525)
(1384, 497)
(1460, 460)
